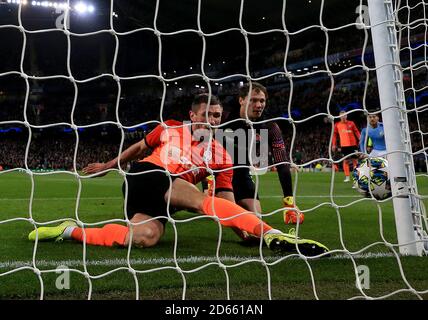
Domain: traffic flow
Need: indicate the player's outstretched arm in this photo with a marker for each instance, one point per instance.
(133, 152)
(279, 153)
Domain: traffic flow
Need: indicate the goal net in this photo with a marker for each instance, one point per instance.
(81, 81)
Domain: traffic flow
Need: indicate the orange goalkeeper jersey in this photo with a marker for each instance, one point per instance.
(349, 135)
(175, 150)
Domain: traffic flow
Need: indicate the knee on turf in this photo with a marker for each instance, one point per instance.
(147, 235)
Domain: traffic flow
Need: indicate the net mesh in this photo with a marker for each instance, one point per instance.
(330, 79)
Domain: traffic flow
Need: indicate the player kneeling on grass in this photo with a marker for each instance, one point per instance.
(179, 161)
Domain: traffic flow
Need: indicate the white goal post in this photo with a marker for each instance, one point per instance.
(407, 205)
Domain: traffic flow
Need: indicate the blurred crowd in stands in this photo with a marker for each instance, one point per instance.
(52, 148)
(310, 92)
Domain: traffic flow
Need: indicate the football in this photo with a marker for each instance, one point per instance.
(371, 177)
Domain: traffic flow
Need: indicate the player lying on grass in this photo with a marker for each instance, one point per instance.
(169, 175)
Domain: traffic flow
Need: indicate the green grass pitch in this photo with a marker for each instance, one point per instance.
(197, 274)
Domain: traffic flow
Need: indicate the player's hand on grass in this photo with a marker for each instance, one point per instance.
(95, 168)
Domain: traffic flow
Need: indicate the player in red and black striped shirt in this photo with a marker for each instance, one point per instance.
(243, 184)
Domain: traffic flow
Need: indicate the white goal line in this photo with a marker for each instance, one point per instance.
(168, 261)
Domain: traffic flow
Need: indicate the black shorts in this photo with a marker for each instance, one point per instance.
(243, 184)
(146, 191)
(349, 150)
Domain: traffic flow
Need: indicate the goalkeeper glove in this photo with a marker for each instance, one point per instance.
(291, 216)
(209, 187)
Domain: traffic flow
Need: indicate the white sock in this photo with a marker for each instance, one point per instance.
(66, 235)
